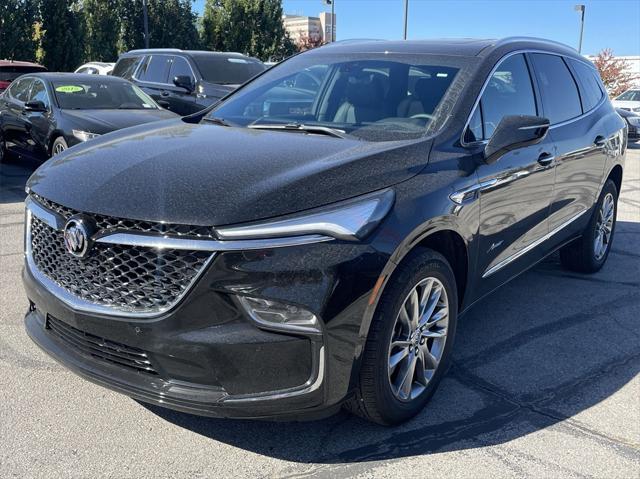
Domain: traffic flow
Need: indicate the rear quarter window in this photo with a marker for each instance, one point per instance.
(126, 67)
(560, 98)
(589, 84)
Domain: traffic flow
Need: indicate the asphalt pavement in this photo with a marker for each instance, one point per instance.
(545, 383)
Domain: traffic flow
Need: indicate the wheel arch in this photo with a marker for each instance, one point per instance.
(616, 176)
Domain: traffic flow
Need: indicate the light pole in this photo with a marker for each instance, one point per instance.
(333, 31)
(580, 8)
(406, 16)
(145, 17)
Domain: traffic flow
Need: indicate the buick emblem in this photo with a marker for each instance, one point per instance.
(77, 236)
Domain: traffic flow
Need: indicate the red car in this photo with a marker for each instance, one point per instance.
(10, 70)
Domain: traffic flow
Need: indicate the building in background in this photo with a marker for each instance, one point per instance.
(315, 30)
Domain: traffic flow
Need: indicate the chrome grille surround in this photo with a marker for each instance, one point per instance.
(113, 279)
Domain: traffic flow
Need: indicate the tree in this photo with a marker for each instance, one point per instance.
(102, 27)
(17, 18)
(307, 42)
(253, 27)
(62, 34)
(615, 72)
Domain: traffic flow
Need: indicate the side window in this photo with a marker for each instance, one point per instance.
(509, 92)
(39, 93)
(82, 70)
(155, 69)
(126, 67)
(559, 90)
(19, 89)
(590, 90)
(180, 66)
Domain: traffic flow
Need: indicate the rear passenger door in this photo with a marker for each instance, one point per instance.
(153, 75)
(517, 189)
(13, 120)
(578, 134)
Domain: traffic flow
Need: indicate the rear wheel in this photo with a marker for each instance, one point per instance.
(588, 253)
(59, 145)
(410, 339)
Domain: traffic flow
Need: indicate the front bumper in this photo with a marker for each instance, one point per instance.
(210, 358)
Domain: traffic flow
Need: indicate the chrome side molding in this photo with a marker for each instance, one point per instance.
(497, 267)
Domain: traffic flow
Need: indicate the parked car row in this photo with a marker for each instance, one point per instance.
(42, 114)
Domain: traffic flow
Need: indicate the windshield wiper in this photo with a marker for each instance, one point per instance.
(302, 128)
(216, 120)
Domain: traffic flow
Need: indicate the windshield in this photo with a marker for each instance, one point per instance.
(227, 70)
(631, 95)
(377, 97)
(94, 94)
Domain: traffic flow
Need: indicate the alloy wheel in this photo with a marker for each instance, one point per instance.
(604, 227)
(58, 148)
(418, 339)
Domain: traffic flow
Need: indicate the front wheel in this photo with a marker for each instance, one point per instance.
(588, 253)
(410, 340)
(59, 145)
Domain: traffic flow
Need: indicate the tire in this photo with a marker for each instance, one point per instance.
(583, 255)
(58, 146)
(4, 154)
(378, 397)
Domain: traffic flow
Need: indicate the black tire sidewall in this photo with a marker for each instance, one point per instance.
(609, 187)
(427, 264)
(58, 140)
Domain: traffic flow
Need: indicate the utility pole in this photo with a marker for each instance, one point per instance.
(145, 17)
(406, 17)
(333, 28)
(580, 8)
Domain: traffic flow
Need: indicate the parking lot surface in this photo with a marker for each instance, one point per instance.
(545, 383)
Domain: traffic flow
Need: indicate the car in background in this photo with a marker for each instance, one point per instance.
(43, 114)
(629, 100)
(10, 70)
(633, 123)
(96, 68)
(186, 81)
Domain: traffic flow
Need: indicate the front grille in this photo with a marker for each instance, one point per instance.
(100, 348)
(107, 223)
(130, 279)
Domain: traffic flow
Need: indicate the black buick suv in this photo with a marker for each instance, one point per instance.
(311, 241)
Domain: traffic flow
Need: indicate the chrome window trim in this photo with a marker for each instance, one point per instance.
(134, 77)
(495, 68)
(526, 249)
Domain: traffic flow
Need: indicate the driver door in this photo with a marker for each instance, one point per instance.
(517, 191)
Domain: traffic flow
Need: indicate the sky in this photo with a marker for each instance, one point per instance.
(611, 24)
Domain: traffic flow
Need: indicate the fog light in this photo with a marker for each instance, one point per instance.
(273, 314)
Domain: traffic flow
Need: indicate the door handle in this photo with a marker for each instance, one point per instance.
(599, 141)
(546, 159)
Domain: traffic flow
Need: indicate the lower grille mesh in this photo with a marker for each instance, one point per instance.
(124, 278)
(100, 348)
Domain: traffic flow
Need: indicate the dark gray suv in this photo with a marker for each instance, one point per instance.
(186, 81)
(311, 241)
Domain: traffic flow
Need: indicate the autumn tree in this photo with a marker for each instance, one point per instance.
(615, 72)
(306, 42)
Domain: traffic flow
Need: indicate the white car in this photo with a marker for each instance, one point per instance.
(629, 100)
(96, 68)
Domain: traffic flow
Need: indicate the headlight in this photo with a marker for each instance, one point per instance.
(84, 135)
(634, 120)
(350, 220)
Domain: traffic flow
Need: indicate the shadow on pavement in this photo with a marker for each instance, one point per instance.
(529, 356)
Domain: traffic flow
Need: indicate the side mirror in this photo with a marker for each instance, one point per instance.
(35, 106)
(515, 132)
(184, 81)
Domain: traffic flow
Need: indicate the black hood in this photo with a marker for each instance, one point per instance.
(105, 121)
(204, 174)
